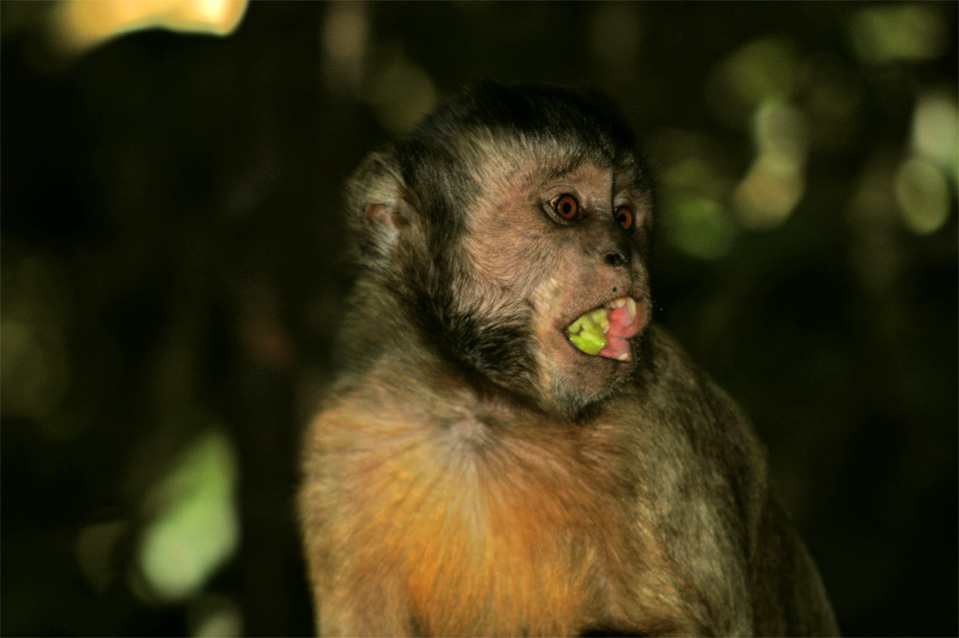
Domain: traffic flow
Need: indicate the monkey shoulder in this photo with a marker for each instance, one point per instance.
(673, 391)
(692, 441)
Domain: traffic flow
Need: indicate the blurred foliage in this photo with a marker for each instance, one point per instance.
(172, 271)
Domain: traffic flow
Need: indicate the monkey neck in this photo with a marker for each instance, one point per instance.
(402, 345)
(398, 337)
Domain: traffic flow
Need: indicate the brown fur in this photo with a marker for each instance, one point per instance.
(569, 495)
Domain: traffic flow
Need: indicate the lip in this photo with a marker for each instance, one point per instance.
(604, 331)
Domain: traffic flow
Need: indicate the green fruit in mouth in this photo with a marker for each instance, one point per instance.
(588, 332)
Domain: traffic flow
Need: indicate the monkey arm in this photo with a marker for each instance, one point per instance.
(781, 580)
(789, 598)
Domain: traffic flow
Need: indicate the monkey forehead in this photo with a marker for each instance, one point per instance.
(526, 162)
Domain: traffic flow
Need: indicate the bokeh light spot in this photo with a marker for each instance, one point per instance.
(195, 528)
(697, 225)
(696, 174)
(775, 183)
(401, 93)
(37, 306)
(922, 193)
(763, 69)
(214, 615)
(886, 32)
(935, 130)
(768, 194)
(34, 371)
(345, 42)
(781, 133)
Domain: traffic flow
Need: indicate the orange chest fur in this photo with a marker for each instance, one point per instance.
(498, 539)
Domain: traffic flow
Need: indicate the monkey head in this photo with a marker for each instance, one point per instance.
(508, 233)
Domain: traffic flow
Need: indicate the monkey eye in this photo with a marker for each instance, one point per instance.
(624, 216)
(566, 206)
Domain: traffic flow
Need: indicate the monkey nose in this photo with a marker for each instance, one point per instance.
(612, 248)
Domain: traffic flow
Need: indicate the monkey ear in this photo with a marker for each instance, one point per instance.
(378, 212)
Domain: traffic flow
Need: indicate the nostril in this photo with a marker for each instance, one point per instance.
(616, 259)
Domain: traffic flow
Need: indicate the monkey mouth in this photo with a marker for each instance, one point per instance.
(605, 331)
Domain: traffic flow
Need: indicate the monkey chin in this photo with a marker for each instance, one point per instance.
(580, 383)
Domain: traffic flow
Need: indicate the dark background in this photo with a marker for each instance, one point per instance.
(173, 270)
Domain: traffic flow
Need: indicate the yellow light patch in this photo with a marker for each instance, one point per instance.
(84, 24)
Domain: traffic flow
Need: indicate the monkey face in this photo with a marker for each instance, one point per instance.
(560, 242)
(507, 234)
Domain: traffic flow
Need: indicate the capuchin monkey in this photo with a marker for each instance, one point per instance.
(512, 447)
